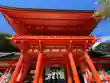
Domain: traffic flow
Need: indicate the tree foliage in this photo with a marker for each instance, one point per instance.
(102, 49)
(104, 10)
(102, 1)
(5, 44)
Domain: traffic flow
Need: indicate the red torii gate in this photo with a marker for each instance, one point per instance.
(50, 38)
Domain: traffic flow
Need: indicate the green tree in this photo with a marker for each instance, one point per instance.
(102, 49)
(5, 44)
(104, 10)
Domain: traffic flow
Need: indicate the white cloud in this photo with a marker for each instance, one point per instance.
(104, 39)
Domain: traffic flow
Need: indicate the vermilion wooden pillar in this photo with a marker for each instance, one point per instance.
(24, 68)
(23, 73)
(73, 67)
(17, 69)
(68, 73)
(65, 74)
(84, 68)
(41, 75)
(92, 68)
(38, 67)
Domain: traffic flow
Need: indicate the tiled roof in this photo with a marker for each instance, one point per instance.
(9, 56)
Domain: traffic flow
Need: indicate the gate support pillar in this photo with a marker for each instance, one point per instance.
(38, 68)
(23, 73)
(69, 74)
(73, 67)
(17, 69)
(92, 68)
(41, 76)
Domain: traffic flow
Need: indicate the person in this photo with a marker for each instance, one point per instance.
(87, 75)
(102, 75)
(58, 74)
(55, 76)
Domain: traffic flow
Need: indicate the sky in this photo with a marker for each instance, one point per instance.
(102, 29)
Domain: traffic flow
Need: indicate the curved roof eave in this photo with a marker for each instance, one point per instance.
(13, 11)
(39, 9)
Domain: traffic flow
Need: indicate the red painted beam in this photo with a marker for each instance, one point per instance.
(81, 38)
(54, 22)
(102, 58)
(5, 67)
